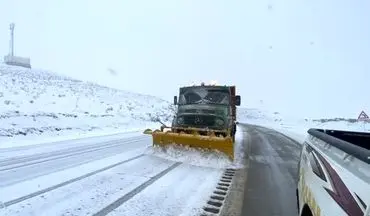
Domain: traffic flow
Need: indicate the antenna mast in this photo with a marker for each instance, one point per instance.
(11, 48)
(11, 59)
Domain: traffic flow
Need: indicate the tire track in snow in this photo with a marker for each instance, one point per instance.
(14, 163)
(184, 191)
(65, 148)
(66, 142)
(135, 191)
(26, 173)
(29, 196)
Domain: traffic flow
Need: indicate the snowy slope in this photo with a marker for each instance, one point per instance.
(40, 102)
(36, 102)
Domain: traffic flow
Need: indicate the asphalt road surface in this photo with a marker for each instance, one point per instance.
(271, 173)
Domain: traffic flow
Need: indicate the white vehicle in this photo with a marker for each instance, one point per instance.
(334, 174)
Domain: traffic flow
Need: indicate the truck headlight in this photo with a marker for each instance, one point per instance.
(180, 120)
(220, 122)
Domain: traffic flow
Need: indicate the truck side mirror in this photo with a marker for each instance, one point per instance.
(175, 100)
(237, 100)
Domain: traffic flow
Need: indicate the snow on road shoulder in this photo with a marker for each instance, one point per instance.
(296, 128)
(295, 132)
(183, 191)
(297, 135)
(239, 148)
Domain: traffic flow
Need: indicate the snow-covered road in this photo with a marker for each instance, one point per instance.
(112, 175)
(15, 169)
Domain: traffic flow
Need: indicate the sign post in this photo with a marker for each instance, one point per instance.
(364, 118)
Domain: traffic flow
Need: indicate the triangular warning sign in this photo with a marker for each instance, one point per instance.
(363, 116)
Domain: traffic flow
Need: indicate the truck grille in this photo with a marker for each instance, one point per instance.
(199, 120)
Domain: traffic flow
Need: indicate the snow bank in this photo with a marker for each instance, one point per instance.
(239, 149)
(35, 102)
(196, 157)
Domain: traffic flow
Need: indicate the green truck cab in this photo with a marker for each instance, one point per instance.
(207, 108)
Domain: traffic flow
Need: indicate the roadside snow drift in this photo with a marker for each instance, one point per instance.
(202, 157)
(297, 128)
(196, 157)
(35, 102)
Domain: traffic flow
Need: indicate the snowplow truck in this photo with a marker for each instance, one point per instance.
(205, 119)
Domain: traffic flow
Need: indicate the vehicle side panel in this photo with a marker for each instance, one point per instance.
(327, 186)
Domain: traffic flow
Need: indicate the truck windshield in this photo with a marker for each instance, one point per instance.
(204, 96)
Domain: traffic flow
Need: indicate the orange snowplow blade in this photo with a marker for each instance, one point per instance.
(222, 144)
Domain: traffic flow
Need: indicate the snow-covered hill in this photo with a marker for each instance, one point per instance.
(36, 102)
(40, 102)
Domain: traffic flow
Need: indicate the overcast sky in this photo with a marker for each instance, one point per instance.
(301, 57)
